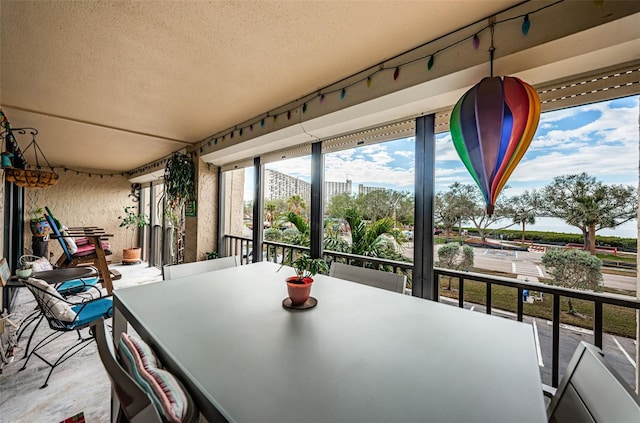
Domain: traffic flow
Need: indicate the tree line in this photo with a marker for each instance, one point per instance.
(579, 200)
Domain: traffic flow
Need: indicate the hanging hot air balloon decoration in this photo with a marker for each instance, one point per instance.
(492, 126)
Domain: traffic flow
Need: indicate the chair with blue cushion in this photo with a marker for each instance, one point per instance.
(65, 315)
(85, 287)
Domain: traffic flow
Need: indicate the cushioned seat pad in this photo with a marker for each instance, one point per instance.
(91, 311)
(77, 285)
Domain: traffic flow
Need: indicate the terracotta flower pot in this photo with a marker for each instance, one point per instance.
(131, 255)
(298, 292)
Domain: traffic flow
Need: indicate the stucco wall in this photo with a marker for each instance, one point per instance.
(83, 200)
(2, 253)
(234, 190)
(201, 232)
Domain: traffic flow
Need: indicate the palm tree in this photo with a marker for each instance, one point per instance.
(296, 204)
(270, 208)
(367, 239)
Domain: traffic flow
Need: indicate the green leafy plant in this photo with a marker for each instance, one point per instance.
(306, 268)
(37, 214)
(211, 255)
(179, 180)
(132, 220)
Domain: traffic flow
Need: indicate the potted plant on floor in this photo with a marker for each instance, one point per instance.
(130, 221)
(299, 286)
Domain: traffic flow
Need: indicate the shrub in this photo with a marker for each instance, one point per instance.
(573, 269)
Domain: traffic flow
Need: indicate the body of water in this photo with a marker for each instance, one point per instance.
(552, 224)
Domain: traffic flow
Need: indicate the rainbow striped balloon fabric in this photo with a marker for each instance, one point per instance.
(492, 126)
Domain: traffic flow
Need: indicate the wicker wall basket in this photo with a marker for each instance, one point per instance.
(29, 178)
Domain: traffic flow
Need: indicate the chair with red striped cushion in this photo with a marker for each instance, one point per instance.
(146, 392)
(82, 251)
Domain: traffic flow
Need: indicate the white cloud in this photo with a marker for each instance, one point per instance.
(404, 153)
(606, 148)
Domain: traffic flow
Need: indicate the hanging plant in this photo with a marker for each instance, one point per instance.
(179, 180)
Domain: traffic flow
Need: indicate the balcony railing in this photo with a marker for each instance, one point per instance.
(598, 300)
(275, 251)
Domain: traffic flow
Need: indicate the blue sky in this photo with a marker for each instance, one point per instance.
(600, 139)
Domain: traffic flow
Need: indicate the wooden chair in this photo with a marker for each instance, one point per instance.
(385, 280)
(174, 271)
(91, 253)
(592, 391)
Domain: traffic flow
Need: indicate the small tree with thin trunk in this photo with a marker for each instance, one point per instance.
(452, 256)
(522, 209)
(573, 269)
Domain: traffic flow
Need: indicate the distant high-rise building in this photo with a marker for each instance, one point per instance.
(282, 186)
(331, 189)
(362, 190)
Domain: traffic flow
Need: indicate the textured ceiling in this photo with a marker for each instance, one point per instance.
(114, 85)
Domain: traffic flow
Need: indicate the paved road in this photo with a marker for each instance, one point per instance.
(525, 264)
(618, 350)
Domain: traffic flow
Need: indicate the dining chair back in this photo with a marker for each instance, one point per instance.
(592, 391)
(145, 393)
(135, 404)
(385, 280)
(174, 271)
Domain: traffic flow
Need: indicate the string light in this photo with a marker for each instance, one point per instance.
(90, 174)
(368, 79)
(526, 24)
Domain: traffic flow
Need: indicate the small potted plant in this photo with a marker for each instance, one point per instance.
(130, 221)
(299, 286)
(38, 223)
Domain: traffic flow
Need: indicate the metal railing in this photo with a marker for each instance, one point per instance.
(275, 251)
(598, 300)
(239, 246)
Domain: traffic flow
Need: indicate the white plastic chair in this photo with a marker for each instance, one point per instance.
(385, 280)
(174, 271)
(591, 390)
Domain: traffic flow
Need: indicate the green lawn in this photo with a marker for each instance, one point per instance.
(616, 320)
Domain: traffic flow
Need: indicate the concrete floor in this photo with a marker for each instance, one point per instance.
(78, 385)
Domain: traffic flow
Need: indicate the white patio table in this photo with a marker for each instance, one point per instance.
(361, 355)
